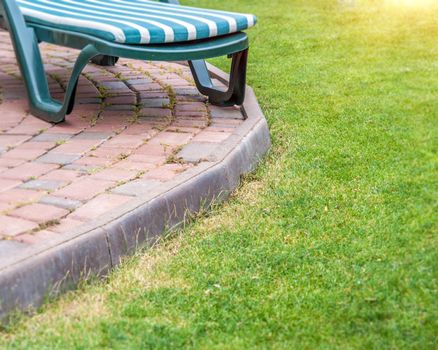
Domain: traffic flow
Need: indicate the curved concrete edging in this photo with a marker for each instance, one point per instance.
(27, 279)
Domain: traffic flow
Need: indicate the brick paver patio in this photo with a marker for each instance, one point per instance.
(134, 126)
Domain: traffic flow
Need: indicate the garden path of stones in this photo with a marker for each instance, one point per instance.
(141, 153)
(134, 126)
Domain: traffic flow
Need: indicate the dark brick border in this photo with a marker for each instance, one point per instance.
(58, 265)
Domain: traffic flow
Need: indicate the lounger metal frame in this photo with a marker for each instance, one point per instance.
(26, 37)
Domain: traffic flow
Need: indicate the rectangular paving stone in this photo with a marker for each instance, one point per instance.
(83, 189)
(225, 113)
(12, 140)
(155, 102)
(75, 146)
(89, 100)
(109, 152)
(190, 123)
(61, 175)
(136, 165)
(30, 126)
(17, 196)
(120, 108)
(40, 145)
(89, 135)
(39, 213)
(186, 91)
(225, 122)
(122, 100)
(136, 188)
(191, 107)
(190, 98)
(64, 203)
(10, 226)
(171, 138)
(115, 119)
(9, 162)
(140, 81)
(147, 87)
(113, 85)
(221, 128)
(96, 162)
(191, 114)
(26, 154)
(56, 137)
(155, 112)
(65, 225)
(70, 127)
(6, 184)
(98, 206)
(152, 94)
(4, 207)
(196, 152)
(34, 238)
(154, 150)
(58, 158)
(124, 142)
(28, 171)
(80, 168)
(48, 185)
(161, 173)
(211, 136)
(114, 174)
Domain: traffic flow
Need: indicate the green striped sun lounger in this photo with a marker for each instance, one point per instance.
(105, 30)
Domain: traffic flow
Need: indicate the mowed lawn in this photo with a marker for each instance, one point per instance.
(332, 242)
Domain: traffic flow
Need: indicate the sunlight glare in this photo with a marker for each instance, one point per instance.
(411, 3)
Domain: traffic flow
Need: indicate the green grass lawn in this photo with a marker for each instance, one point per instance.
(332, 242)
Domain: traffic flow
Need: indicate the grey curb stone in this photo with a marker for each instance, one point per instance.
(6, 247)
(36, 272)
(57, 270)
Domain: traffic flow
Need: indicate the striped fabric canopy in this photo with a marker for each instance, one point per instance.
(134, 21)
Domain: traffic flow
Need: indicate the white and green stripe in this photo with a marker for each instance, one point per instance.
(134, 21)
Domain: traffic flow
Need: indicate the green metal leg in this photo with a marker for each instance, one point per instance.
(28, 55)
(83, 59)
(235, 94)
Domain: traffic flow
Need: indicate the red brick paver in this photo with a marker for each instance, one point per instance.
(10, 226)
(83, 189)
(40, 213)
(28, 171)
(99, 206)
